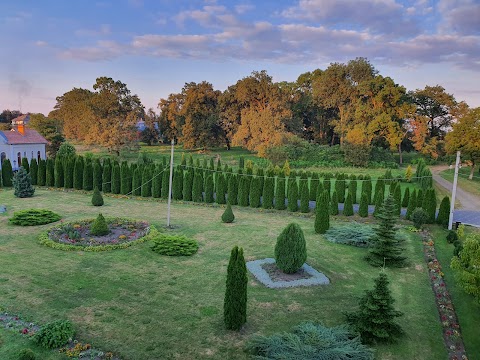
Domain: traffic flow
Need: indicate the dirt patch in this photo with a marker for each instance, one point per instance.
(278, 275)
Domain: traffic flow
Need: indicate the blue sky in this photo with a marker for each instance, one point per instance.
(52, 46)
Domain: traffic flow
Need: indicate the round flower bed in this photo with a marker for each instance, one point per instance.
(76, 235)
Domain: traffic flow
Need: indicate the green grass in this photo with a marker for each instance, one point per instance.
(471, 186)
(142, 305)
(467, 309)
(11, 343)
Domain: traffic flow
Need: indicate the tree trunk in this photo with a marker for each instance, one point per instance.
(470, 177)
(400, 154)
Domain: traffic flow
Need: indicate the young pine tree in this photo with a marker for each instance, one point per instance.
(363, 209)
(33, 171)
(22, 183)
(97, 198)
(187, 186)
(367, 188)
(352, 190)
(291, 249)
(420, 194)
(375, 318)
(59, 180)
(304, 197)
(412, 204)
(444, 212)
(334, 204)
(340, 187)
(398, 199)
(146, 189)
(348, 206)
(227, 216)
(77, 174)
(322, 214)
(99, 227)
(379, 187)
(243, 191)
(292, 194)
(327, 185)
(235, 304)
(125, 179)
(386, 247)
(379, 199)
(280, 194)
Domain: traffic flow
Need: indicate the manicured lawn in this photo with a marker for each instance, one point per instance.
(472, 186)
(145, 306)
(467, 309)
(11, 343)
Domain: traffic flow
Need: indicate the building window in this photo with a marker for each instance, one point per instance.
(38, 156)
(19, 158)
(31, 157)
(3, 156)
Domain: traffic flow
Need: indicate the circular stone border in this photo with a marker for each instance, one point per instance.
(255, 267)
(45, 240)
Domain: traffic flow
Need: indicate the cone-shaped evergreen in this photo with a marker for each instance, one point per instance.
(379, 199)
(268, 192)
(397, 196)
(227, 216)
(430, 205)
(99, 227)
(406, 198)
(322, 213)
(125, 179)
(444, 212)
(146, 189)
(327, 185)
(232, 189)
(280, 194)
(166, 181)
(255, 192)
(41, 175)
(375, 318)
(197, 190)
(88, 175)
(243, 193)
(22, 183)
(221, 189)
(314, 182)
(379, 187)
(363, 208)
(348, 206)
(235, 305)
(1, 179)
(386, 247)
(352, 190)
(59, 173)
(340, 187)
(420, 195)
(7, 173)
(25, 165)
(116, 179)
(304, 197)
(292, 194)
(69, 164)
(412, 204)
(156, 171)
(50, 173)
(107, 178)
(187, 185)
(367, 188)
(291, 249)
(97, 175)
(97, 198)
(393, 186)
(77, 174)
(209, 190)
(33, 171)
(136, 181)
(334, 204)
(177, 186)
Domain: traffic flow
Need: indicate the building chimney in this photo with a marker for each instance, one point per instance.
(21, 128)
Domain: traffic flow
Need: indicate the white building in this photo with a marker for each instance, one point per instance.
(21, 142)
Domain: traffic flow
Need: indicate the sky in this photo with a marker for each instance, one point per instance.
(50, 47)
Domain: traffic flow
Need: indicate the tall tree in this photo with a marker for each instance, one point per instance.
(50, 129)
(235, 304)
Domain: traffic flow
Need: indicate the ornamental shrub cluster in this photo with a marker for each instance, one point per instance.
(351, 233)
(174, 245)
(55, 334)
(33, 217)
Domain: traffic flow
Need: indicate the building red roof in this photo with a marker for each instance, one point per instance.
(29, 137)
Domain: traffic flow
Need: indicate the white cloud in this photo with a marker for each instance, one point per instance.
(243, 8)
(103, 30)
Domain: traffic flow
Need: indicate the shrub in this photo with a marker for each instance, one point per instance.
(351, 233)
(465, 266)
(348, 206)
(125, 179)
(59, 180)
(444, 212)
(227, 216)
(174, 245)
(41, 174)
(177, 186)
(7, 173)
(419, 217)
(334, 204)
(291, 249)
(68, 169)
(22, 183)
(292, 194)
(268, 192)
(107, 178)
(310, 341)
(33, 217)
(352, 189)
(235, 303)
(255, 192)
(187, 186)
(55, 334)
(88, 175)
(406, 198)
(116, 180)
(363, 208)
(314, 182)
(97, 198)
(280, 195)
(78, 173)
(452, 236)
(26, 354)
(340, 187)
(457, 248)
(99, 227)
(197, 190)
(209, 186)
(367, 189)
(412, 203)
(304, 197)
(166, 185)
(232, 189)
(33, 172)
(243, 191)
(221, 189)
(50, 173)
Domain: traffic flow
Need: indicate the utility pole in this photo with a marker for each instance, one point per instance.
(454, 191)
(170, 185)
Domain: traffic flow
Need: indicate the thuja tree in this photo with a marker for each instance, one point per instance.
(146, 189)
(22, 183)
(352, 190)
(327, 185)
(268, 192)
(243, 193)
(367, 188)
(466, 266)
(412, 204)
(68, 168)
(125, 179)
(334, 204)
(397, 196)
(406, 197)
(116, 179)
(379, 187)
(340, 187)
(363, 208)
(375, 318)
(304, 197)
(107, 178)
(59, 173)
(221, 189)
(77, 174)
(419, 199)
(322, 214)
(444, 212)
(99, 227)
(177, 186)
(314, 182)
(33, 171)
(280, 194)
(292, 195)
(197, 189)
(430, 205)
(209, 190)
(88, 175)
(291, 249)
(41, 175)
(25, 164)
(97, 174)
(7, 173)
(348, 206)
(232, 189)
(386, 247)
(255, 192)
(166, 180)
(378, 203)
(50, 173)
(235, 304)
(97, 198)
(187, 186)
(228, 216)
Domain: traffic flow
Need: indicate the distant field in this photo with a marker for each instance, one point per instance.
(471, 186)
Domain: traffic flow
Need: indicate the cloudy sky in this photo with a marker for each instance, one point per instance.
(155, 46)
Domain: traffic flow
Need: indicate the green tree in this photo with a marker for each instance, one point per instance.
(125, 179)
(444, 212)
(334, 204)
(88, 175)
(348, 206)
(375, 318)
(99, 227)
(363, 209)
(280, 194)
(221, 189)
(314, 183)
(146, 189)
(322, 215)
(420, 196)
(197, 190)
(227, 216)
(22, 183)
(255, 192)
(66, 150)
(107, 178)
(166, 184)
(352, 189)
(209, 186)
(50, 129)
(116, 179)
(25, 165)
(304, 197)
(7, 173)
(97, 174)
(291, 249)
(397, 196)
(340, 187)
(412, 204)
(367, 188)
(59, 180)
(157, 183)
(235, 304)
(386, 247)
(41, 176)
(97, 198)
(68, 171)
(50, 173)
(327, 185)
(243, 191)
(137, 181)
(466, 266)
(187, 186)
(406, 197)
(268, 192)
(33, 171)
(379, 198)
(232, 189)
(292, 195)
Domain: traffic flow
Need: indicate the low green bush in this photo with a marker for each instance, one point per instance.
(33, 217)
(97, 198)
(228, 216)
(174, 245)
(55, 334)
(419, 217)
(452, 236)
(26, 354)
(99, 226)
(351, 233)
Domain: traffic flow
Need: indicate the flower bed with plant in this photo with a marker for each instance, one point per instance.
(76, 235)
